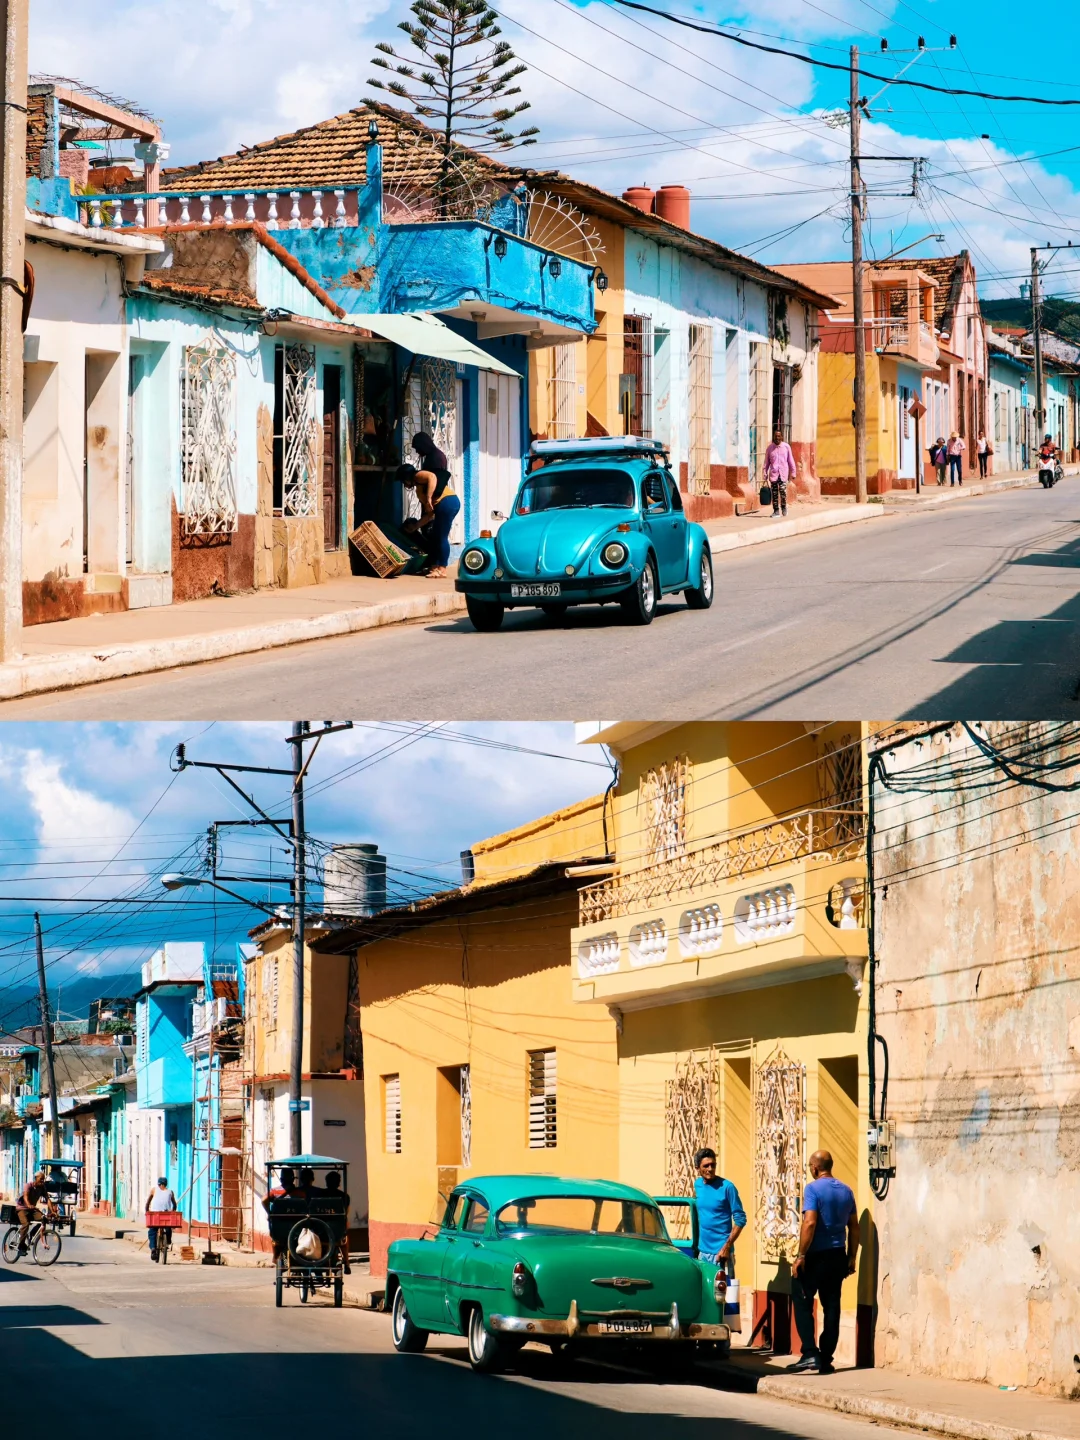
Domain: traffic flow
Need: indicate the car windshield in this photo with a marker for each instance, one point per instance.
(577, 489)
(580, 1215)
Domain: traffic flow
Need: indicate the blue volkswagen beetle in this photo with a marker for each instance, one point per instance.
(594, 522)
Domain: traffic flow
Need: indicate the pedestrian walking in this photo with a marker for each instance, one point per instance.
(956, 459)
(939, 458)
(779, 469)
(984, 450)
(828, 1244)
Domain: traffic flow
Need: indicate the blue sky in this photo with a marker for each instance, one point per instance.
(619, 102)
(92, 814)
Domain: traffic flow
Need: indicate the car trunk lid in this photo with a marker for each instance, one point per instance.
(609, 1274)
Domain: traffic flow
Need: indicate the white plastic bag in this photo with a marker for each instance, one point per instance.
(308, 1245)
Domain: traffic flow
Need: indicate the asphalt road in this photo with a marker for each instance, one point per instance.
(106, 1344)
(968, 611)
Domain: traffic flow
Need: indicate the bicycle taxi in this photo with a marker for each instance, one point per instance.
(308, 1226)
(62, 1183)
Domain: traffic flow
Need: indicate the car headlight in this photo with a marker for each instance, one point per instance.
(474, 560)
(614, 554)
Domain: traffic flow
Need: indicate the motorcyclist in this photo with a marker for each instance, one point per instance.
(1048, 450)
(1049, 462)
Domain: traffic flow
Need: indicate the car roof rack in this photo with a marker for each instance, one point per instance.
(599, 445)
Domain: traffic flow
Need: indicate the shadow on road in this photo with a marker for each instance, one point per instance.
(236, 1395)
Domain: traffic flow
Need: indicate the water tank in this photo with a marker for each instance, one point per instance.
(641, 197)
(354, 880)
(673, 203)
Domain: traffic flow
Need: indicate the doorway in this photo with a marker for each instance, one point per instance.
(331, 457)
(101, 465)
(500, 446)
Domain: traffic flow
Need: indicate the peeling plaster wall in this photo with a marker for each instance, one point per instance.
(978, 994)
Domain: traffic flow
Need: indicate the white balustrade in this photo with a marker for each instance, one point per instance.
(339, 208)
(163, 210)
(294, 213)
(648, 943)
(185, 213)
(204, 200)
(599, 955)
(701, 930)
(271, 214)
(848, 919)
(95, 213)
(317, 221)
(249, 212)
(140, 213)
(228, 209)
(765, 915)
(117, 214)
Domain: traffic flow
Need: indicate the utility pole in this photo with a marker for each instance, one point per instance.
(1036, 328)
(300, 732)
(858, 316)
(14, 24)
(46, 1026)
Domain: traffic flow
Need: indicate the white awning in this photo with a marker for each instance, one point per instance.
(426, 334)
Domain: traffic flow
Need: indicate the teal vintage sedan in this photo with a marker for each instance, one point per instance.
(570, 1263)
(594, 522)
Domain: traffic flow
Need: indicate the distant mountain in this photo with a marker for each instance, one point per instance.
(1061, 316)
(19, 1006)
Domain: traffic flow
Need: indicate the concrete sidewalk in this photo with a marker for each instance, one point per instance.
(942, 1407)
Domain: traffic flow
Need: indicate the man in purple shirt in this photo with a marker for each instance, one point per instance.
(828, 1244)
(779, 469)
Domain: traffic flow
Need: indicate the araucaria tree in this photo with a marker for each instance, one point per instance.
(466, 77)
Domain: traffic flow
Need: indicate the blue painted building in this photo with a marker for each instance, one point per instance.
(164, 1068)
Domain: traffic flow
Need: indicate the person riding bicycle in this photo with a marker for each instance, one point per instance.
(33, 1192)
(160, 1199)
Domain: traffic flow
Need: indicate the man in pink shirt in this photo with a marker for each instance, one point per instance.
(779, 469)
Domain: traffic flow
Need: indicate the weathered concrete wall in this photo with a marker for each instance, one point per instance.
(978, 994)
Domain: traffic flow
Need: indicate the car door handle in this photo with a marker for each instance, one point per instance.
(479, 1244)
(451, 1241)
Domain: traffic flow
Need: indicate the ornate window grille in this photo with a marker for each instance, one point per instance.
(701, 378)
(208, 440)
(431, 405)
(760, 406)
(663, 798)
(692, 1102)
(543, 1126)
(779, 1154)
(638, 351)
(562, 390)
(466, 1118)
(300, 444)
(842, 789)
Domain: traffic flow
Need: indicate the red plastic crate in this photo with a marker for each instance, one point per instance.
(164, 1220)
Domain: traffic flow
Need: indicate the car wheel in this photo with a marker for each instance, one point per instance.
(486, 615)
(486, 1354)
(639, 602)
(409, 1339)
(699, 597)
(555, 613)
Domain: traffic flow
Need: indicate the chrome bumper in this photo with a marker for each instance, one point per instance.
(587, 1326)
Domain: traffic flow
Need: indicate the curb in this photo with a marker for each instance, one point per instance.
(964, 492)
(890, 1412)
(785, 529)
(39, 674)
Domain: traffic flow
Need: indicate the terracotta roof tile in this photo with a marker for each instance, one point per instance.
(948, 271)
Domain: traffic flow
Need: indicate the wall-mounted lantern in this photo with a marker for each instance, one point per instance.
(554, 267)
(500, 247)
(601, 280)
(373, 130)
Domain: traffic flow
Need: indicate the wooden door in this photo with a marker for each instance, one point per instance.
(331, 478)
(500, 446)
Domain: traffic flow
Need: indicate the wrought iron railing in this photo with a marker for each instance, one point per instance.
(836, 833)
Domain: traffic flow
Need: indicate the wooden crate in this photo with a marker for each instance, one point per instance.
(384, 557)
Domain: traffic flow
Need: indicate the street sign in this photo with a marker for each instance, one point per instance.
(295, 1105)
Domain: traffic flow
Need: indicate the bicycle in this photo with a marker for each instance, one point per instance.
(43, 1242)
(164, 1244)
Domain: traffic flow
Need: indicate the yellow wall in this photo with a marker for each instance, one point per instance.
(324, 1008)
(569, 834)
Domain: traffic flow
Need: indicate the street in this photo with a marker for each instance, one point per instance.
(972, 608)
(106, 1326)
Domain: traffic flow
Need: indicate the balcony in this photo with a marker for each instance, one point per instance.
(164, 1082)
(780, 902)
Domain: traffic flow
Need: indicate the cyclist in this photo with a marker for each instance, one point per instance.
(33, 1192)
(161, 1198)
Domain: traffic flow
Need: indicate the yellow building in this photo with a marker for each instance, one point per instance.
(728, 945)
(476, 1056)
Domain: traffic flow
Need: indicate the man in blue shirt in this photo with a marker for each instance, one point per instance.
(721, 1217)
(828, 1244)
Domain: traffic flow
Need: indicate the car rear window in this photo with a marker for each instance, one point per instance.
(576, 489)
(580, 1215)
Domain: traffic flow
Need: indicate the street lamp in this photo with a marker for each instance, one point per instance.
(192, 882)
